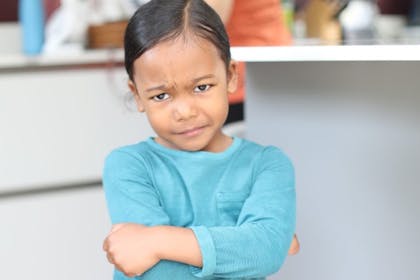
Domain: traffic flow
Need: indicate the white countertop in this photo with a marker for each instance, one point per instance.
(328, 53)
(249, 54)
(17, 61)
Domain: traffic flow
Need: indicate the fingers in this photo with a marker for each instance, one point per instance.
(109, 255)
(130, 275)
(116, 227)
(110, 258)
(113, 251)
(118, 266)
(105, 244)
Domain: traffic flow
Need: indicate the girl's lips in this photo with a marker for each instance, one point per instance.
(192, 132)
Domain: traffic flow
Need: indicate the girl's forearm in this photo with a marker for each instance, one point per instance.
(180, 245)
(177, 244)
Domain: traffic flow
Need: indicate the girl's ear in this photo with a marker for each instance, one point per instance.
(133, 90)
(232, 77)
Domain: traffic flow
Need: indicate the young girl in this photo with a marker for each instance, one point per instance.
(192, 202)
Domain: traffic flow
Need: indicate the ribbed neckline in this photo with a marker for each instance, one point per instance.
(196, 154)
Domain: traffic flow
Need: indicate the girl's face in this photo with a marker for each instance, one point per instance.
(182, 86)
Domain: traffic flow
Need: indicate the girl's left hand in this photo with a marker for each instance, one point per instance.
(294, 246)
(131, 249)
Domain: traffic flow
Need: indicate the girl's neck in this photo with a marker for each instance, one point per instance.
(218, 144)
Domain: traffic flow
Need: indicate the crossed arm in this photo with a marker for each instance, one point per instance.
(134, 248)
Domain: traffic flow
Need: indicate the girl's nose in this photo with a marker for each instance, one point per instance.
(185, 109)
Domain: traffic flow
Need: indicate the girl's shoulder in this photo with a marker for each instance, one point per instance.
(262, 149)
(131, 148)
(126, 155)
(263, 155)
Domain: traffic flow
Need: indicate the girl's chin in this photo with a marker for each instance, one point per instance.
(201, 142)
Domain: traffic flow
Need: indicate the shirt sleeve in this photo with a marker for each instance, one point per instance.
(258, 244)
(130, 195)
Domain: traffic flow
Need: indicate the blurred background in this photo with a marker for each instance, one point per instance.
(64, 106)
(309, 21)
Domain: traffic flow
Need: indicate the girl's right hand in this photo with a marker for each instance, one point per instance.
(130, 248)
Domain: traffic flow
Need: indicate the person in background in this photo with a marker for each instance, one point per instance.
(250, 23)
(192, 202)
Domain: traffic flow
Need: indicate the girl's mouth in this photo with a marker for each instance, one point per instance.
(192, 131)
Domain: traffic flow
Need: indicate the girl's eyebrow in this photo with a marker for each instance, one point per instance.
(202, 78)
(196, 80)
(160, 88)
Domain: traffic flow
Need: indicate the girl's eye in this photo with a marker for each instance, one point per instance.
(202, 88)
(160, 97)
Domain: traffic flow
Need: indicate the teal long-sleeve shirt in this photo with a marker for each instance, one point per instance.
(240, 204)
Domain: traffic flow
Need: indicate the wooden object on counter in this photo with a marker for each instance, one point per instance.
(321, 22)
(107, 35)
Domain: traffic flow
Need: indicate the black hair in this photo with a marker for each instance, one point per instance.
(162, 20)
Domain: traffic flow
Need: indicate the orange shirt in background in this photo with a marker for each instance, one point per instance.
(255, 23)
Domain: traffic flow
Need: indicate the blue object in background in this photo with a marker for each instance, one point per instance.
(31, 18)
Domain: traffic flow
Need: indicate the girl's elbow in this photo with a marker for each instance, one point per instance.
(275, 263)
(272, 260)
(277, 250)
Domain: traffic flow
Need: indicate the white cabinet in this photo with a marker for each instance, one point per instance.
(58, 123)
(54, 236)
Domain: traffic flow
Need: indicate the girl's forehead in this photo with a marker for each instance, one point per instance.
(179, 51)
(183, 44)
(178, 61)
